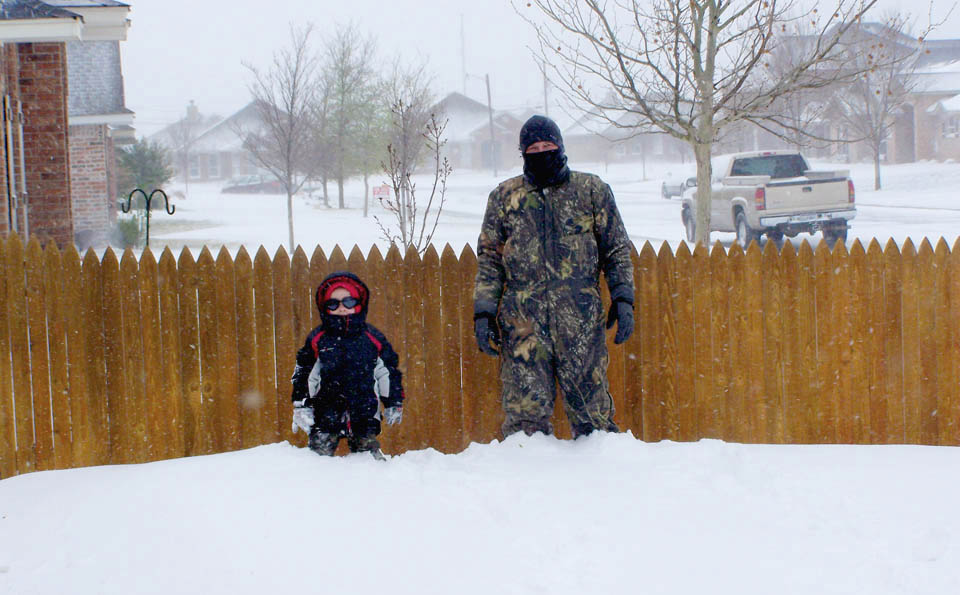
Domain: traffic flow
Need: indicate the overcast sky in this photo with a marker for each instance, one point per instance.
(178, 50)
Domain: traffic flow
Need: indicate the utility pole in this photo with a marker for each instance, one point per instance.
(493, 138)
(463, 56)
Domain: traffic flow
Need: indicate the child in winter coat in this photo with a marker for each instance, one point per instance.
(345, 365)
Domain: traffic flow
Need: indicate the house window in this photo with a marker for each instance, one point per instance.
(951, 126)
(194, 166)
(213, 166)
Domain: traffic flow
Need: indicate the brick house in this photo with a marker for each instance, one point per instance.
(61, 70)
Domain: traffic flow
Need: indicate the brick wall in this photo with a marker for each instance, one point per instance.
(9, 69)
(89, 183)
(43, 89)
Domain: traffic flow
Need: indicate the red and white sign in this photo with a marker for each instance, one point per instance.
(381, 192)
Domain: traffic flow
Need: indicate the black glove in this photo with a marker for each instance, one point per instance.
(621, 312)
(485, 328)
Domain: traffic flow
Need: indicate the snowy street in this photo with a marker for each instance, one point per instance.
(918, 200)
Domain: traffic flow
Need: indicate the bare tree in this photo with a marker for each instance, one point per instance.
(283, 96)
(691, 68)
(321, 142)
(414, 228)
(350, 74)
(869, 105)
(183, 135)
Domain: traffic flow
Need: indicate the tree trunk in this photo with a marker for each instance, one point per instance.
(326, 193)
(340, 190)
(290, 218)
(366, 194)
(876, 168)
(704, 197)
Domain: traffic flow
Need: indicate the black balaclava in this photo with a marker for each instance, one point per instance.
(351, 323)
(547, 168)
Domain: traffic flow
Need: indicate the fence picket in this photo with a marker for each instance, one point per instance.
(912, 373)
(248, 374)
(167, 414)
(449, 340)
(686, 342)
(950, 405)
(266, 350)
(422, 431)
(8, 418)
(71, 297)
(55, 339)
(435, 409)
(470, 355)
(402, 437)
(738, 408)
(667, 377)
(190, 353)
(648, 323)
(946, 384)
(927, 290)
(156, 439)
(135, 429)
(708, 417)
(893, 342)
(771, 277)
(98, 398)
(39, 359)
(227, 409)
(632, 414)
(827, 353)
(20, 354)
(859, 391)
(843, 318)
(209, 428)
(757, 400)
(286, 347)
(720, 336)
(877, 356)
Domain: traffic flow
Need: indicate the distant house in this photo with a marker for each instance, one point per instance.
(215, 150)
(61, 69)
(470, 144)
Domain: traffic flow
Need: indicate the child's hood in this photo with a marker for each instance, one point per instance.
(346, 280)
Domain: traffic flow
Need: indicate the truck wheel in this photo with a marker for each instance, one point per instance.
(831, 235)
(689, 226)
(745, 235)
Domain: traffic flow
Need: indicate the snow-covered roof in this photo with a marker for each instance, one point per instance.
(11, 10)
(951, 104)
(941, 77)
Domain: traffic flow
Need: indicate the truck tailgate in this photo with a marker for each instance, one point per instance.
(798, 195)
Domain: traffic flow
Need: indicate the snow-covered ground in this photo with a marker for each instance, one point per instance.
(918, 200)
(604, 514)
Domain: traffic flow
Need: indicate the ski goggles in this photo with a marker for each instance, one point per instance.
(333, 303)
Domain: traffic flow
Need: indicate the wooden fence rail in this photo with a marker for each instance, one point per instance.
(119, 361)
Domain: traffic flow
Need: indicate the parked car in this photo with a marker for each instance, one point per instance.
(777, 194)
(670, 189)
(253, 184)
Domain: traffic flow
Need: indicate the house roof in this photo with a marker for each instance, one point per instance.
(11, 10)
(84, 3)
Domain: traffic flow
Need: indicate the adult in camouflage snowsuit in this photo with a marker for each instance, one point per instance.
(545, 238)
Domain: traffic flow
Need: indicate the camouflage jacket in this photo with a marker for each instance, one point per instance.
(565, 233)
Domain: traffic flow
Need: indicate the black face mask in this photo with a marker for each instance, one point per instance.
(343, 325)
(547, 168)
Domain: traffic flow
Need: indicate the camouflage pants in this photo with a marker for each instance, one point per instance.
(324, 443)
(554, 337)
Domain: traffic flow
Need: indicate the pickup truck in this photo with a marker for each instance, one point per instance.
(777, 194)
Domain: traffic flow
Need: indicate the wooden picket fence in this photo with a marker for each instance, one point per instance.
(118, 361)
